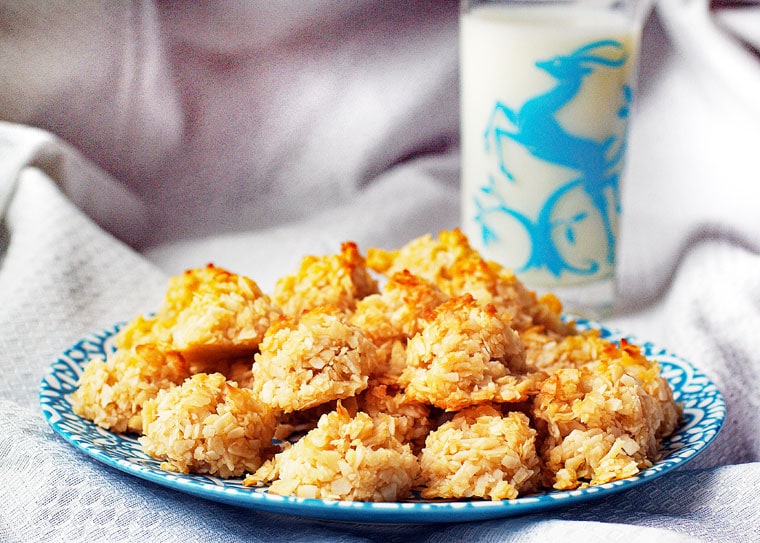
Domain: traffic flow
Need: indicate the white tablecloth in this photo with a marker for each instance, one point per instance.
(165, 137)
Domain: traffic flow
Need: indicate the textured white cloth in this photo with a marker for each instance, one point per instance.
(146, 138)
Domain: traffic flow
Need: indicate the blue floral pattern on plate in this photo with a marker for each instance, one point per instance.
(704, 411)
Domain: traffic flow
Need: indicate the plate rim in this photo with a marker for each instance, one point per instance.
(230, 491)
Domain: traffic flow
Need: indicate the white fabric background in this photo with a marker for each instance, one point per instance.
(142, 138)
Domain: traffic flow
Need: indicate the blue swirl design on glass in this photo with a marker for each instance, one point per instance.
(536, 128)
(704, 413)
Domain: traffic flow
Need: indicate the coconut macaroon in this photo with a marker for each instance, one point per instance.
(207, 314)
(480, 453)
(649, 374)
(394, 315)
(344, 458)
(491, 283)
(312, 360)
(111, 393)
(208, 425)
(604, 419)
(451, 263)
(550, 351)
(412, 419)
(467, 354)
(424, 256)
(591, 457)
(337, 279)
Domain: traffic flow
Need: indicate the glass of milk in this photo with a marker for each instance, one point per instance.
(546, 95)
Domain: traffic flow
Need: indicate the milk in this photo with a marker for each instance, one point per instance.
(546, 93)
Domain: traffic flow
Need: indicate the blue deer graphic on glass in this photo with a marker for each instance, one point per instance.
(597, 164)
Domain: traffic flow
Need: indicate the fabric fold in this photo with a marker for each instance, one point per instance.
(99, 195)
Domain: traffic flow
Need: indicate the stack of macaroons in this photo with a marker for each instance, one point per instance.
(424, 369)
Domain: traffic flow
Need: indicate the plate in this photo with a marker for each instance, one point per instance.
(704, 411)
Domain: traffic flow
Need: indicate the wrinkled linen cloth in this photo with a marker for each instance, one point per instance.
(140, 139)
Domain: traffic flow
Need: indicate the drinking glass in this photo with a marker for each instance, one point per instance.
(547, 89)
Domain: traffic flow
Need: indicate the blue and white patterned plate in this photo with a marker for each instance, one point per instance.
(703, 405)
